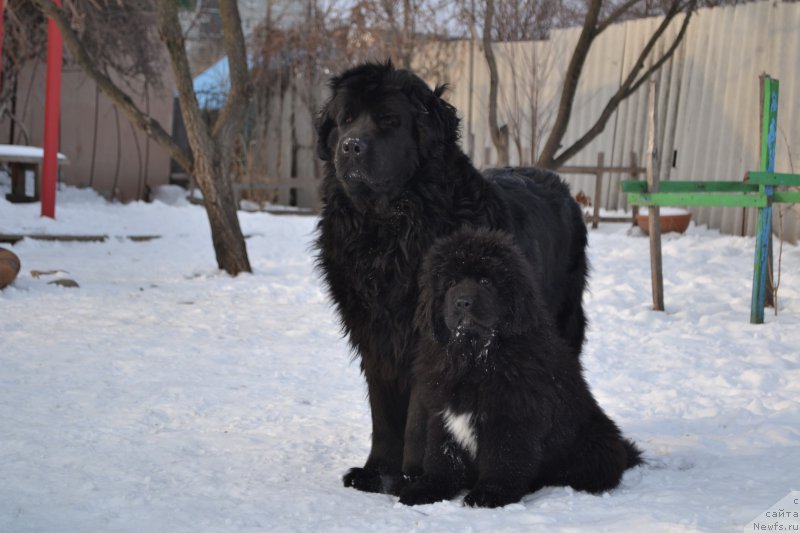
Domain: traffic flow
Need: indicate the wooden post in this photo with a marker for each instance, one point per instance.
(634, 176)
(769, 128)
(598, 190)
(653, 211)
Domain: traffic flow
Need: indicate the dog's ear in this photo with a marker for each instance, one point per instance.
(325, 126)
(438, 121)
(444, 115)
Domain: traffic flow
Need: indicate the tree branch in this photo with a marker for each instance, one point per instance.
(499, 135)
(616, 15)
(634, 85)
(632, 82)
(233, 114)
(170, 30)
(141, 119)
(570, 87)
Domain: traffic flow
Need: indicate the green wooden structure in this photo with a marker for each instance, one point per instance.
(757, 190)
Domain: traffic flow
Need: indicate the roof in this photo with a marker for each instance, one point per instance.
(213, 85)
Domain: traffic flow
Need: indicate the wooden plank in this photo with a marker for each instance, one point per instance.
(13, 238)
(630, 186)
(707, 186)
(299, 183)
(67, 238)
(698, 199)
(786, 197)
(587, 217)
(10, 238)
(776, 179)
(605, 170)
(633, 186)
(306, 186)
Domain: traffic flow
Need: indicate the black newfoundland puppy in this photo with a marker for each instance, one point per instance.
(395, 180)
(509, 409)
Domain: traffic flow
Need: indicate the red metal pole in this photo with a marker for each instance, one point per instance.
(52, 111)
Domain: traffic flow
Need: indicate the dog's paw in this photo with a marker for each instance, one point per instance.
(427, 490)
(363, 479)
(394, 484)
(420, 495)
(491, 495)
(369, 480)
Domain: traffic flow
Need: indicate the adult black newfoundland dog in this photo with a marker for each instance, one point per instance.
(395, 180)
(509, 409)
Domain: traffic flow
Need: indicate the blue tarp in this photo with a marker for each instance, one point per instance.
(212, 85)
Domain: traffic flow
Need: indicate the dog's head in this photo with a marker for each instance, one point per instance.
(475, 285)
(379, 127)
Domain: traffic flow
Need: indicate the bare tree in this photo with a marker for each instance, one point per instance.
(593, 25)
(208, 158)
(499, 133)
(381, 29)
(513, 23)
(385, 27)
(523, 104)
(523, 26)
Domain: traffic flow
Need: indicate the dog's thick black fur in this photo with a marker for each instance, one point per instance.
(395, 180)
(510, 411)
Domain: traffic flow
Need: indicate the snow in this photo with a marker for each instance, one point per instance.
(15, 152)
(665, 211)
(163, 395)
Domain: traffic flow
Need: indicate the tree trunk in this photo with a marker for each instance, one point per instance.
(407, 39)
(220, 204)
(212, 154)
(570, 87)
(499, 134)
(208, 159)
(592, 27)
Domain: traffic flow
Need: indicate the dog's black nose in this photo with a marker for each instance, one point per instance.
(353, 147)
(463, 303)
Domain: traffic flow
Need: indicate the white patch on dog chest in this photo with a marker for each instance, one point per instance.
(462, 430)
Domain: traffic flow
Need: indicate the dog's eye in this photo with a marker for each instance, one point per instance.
(348, 119)
(485, 282)
(450, 283)
(389, 121)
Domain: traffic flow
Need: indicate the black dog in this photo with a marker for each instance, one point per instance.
(395, 180)
(509, 409)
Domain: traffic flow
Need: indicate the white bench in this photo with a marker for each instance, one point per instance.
(21, 161)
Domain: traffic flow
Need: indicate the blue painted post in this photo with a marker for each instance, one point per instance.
(769, 127)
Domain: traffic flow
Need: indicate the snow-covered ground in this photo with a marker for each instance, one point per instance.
(162, 395)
